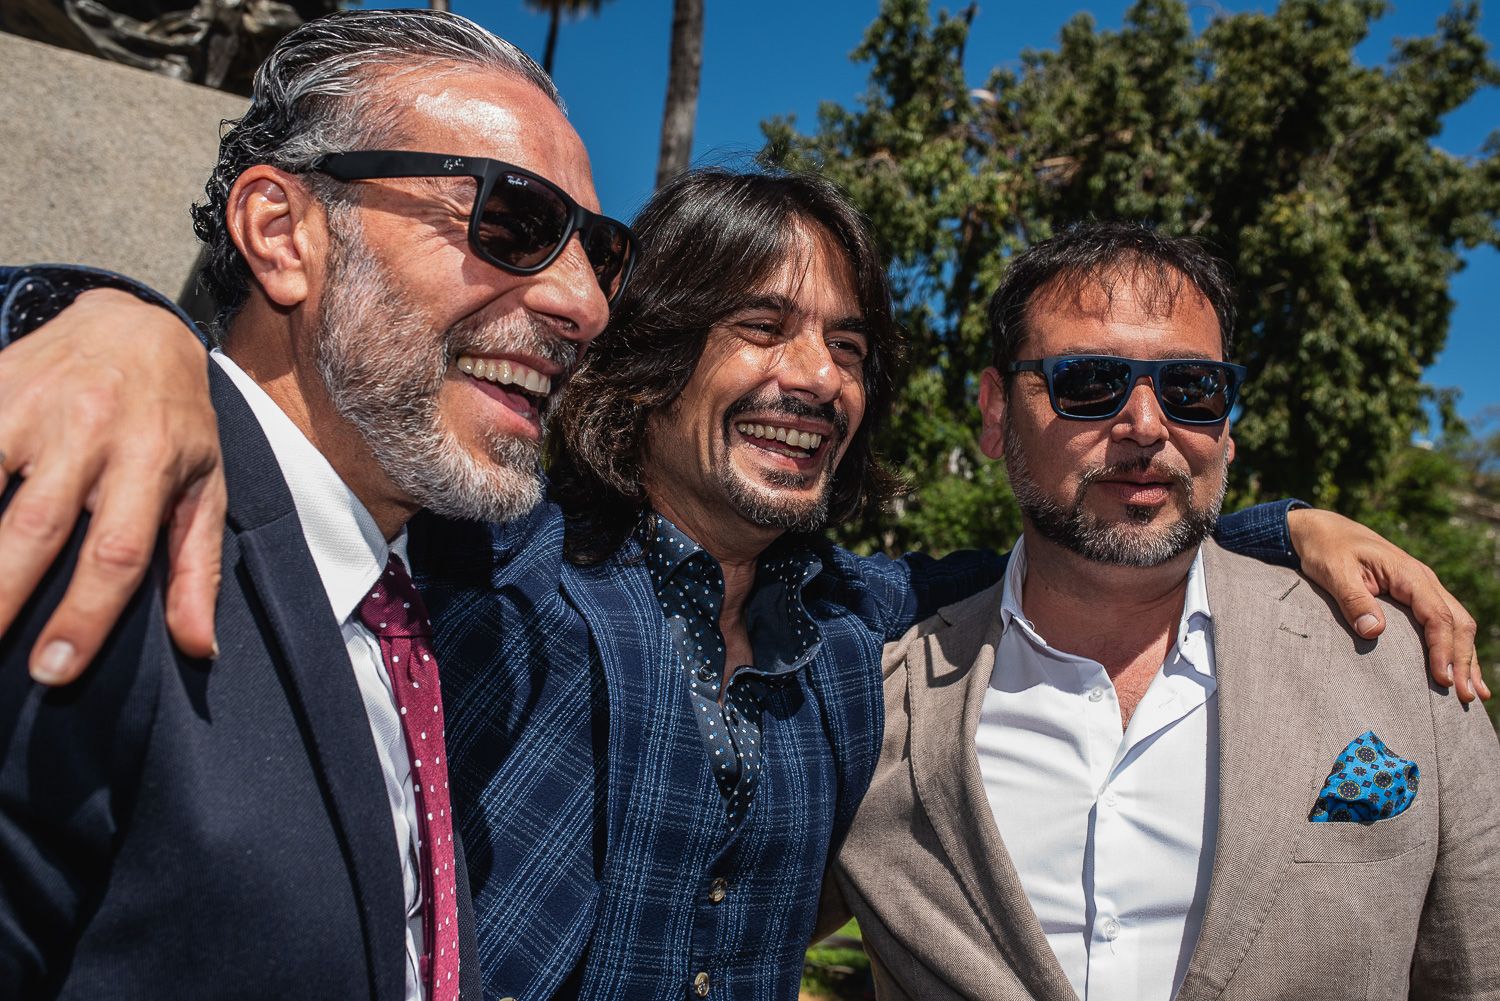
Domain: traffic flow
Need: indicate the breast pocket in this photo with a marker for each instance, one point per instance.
(1351, 842)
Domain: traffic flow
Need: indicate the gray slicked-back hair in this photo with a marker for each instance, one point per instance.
(319, 92)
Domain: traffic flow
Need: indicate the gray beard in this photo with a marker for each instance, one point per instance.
(1075, 529)
(384, 370)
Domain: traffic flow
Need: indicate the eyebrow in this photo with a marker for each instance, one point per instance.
(1186, 354)
(853, 324)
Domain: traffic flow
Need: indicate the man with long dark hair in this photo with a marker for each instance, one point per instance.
(662, 688)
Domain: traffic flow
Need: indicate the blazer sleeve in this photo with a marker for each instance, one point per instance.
(69, 762)
(34, 294)
(1458, 942)
(1260, 532)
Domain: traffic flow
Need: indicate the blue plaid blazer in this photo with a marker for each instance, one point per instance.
(582, 783)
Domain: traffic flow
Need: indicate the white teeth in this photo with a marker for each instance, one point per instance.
(506, 373)
(790, 436)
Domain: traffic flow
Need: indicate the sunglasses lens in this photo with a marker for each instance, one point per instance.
(1196, 393)
(522, 222)
(607, 246)
(1089, 387)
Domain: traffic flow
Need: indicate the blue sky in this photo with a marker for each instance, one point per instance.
(774, 57)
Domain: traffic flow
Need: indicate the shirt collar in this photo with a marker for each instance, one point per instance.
(783, 634)
(1191, 626)
(345, 543)
(668, 548)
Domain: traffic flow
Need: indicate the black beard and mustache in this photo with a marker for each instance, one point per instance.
(1117, 545)
(765, 507)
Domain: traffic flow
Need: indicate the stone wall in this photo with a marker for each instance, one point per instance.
(99, 162)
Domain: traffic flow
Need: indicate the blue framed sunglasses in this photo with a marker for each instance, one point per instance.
(1095, 387)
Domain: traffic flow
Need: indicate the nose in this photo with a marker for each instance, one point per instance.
(1141, 420)
(808, 368)
(567, 295)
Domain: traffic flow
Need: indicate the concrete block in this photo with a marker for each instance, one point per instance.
(100, 162)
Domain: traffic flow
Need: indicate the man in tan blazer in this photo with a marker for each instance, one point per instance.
(1141, 767)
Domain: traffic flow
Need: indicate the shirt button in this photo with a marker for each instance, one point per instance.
(718, 890)
(1096, 694)
(1110, 799)
(1111, 928)
(700, 985)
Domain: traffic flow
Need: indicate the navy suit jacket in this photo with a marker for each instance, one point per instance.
(170, 830)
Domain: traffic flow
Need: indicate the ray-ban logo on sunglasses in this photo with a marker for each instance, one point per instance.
(453, 163)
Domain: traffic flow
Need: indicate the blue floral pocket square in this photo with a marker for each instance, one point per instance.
(1368, 783)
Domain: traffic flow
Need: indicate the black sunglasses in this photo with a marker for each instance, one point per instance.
(521, 221)
(1095, 387)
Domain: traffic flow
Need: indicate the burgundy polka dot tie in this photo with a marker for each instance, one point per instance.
(394, 612)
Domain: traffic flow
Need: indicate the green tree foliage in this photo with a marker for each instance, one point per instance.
(1315, 177)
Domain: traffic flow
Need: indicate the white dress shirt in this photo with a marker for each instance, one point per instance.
(1112, 833)
(350, 554)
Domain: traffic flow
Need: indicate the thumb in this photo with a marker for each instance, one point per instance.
(1361, 610)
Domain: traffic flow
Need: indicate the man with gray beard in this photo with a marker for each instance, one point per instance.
(1108, 776)
(280, 825)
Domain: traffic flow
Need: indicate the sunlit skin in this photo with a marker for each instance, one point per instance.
(1122, 617)
(418, 231)
(805, 339)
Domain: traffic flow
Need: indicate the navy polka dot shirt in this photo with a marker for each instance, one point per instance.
(690, 586)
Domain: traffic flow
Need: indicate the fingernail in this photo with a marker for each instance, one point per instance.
(1366, 624)
(214, 655)
(56, 658)
(1447, 675)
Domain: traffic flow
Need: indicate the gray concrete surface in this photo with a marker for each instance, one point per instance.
(99, 162)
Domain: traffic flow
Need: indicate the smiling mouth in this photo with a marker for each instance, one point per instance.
(781, 440)
(528, 388)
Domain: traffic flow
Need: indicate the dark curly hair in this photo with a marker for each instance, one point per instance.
(318, 93)
(708, 240)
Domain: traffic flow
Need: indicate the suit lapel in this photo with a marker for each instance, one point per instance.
(319, 683)
(1261, 656)
(948, 673)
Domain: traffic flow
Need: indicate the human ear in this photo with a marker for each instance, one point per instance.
(275, 222)
(992, 413)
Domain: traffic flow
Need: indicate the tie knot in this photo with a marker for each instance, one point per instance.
(393, 607)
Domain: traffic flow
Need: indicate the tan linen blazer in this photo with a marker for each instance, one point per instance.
(1296, 910)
